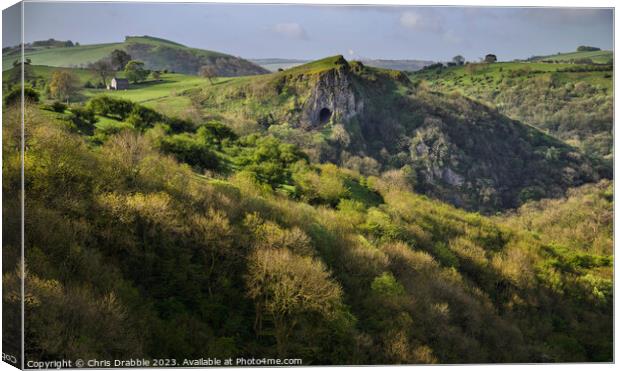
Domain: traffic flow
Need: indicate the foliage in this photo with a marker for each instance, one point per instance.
(135, 71)
(15, 95)
(83, 120)
(119, 59)
(133, 254)
(104, 70)
(572, 103)
(63, 85)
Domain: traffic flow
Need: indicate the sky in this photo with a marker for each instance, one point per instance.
(311, 32)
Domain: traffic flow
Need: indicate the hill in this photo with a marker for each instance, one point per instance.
(571, 102)
(183, 238)
(157, 54)
(273, 64)
(595, 56)
(374, 120)
(397, 64)
(306, 213)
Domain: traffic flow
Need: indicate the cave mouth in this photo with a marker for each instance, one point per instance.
(324, 115)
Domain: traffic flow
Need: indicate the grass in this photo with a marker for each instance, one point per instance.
(165, 95)
(80, 56)
(45, 73)
(76, 56)
(598, 56)
(169, 84)
(482, 75)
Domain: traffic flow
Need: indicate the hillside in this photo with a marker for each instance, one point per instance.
(596, 56)
(374, 120)
(571, 102)
(273, 64)
(182, 238)
(157, 54)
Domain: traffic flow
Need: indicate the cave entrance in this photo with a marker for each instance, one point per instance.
(324, 115)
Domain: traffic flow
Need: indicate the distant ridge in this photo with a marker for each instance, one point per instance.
(273, 64)
(156, 53)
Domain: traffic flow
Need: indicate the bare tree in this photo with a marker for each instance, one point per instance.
(103, 68)
(208, 72)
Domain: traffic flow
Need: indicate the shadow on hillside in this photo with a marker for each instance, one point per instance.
(147, 84)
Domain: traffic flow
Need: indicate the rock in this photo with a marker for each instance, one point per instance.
(331, 100)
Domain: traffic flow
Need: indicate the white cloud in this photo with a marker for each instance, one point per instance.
(420, 22)
(290, 30)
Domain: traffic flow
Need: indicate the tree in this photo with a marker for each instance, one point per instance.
(119, 59)
(103, 68)
(135, 71)
(15, 74)
(490, 58)
(286, 287)
(208, 72)
(63, 84)
(459, 60)
(156, 75)
(15, 96)
(585, 48)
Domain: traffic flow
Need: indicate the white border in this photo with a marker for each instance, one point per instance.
(488, 3)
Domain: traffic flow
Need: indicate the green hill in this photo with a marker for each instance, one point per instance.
(179, 237)
(374, 120)
(157, 54)
(571, 102)
(596, 56)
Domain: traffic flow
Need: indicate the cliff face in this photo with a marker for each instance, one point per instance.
(332, 99)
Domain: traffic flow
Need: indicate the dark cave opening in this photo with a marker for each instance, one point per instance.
(325, 115)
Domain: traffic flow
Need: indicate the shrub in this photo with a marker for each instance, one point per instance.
(58, 107)
(15, 96)
(83, 120)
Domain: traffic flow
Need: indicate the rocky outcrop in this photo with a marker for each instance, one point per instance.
(332, 99)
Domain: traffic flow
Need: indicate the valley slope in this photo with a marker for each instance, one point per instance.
(573, 102)
(374, 120)
(305, 214)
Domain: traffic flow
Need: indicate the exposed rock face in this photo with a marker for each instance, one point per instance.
(334, 92)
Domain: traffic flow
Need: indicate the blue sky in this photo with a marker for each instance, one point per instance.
(309, 32)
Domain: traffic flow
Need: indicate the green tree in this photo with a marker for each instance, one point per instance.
(135, 71)
(459, 60)
(119, 59)
(286, 287)
(15, 95)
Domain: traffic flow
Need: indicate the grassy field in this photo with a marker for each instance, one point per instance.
(483, 75)
(156, 53)
(598, 56)
(80, 56)
(573, 102)
(45, 73)
(76, 56)
(165, 95)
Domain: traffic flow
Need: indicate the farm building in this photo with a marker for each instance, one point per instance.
(118, 84)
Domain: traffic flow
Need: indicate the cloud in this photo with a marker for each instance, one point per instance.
(420, 21)
(290, 30)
